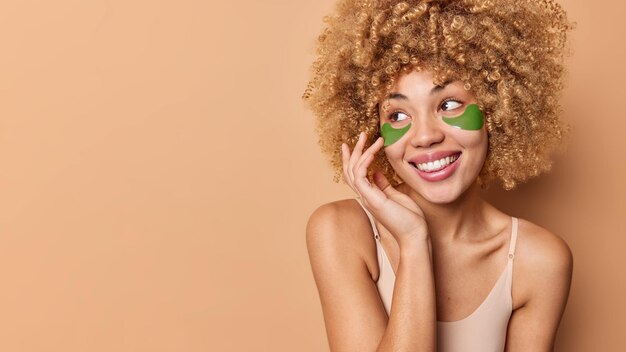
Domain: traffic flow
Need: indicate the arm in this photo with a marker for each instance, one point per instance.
(413, 319)
(549, 266)
(354, 316)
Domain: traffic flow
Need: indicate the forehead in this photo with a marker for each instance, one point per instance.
(419, 85)
(415, 80)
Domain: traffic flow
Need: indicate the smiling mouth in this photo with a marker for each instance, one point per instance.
(437, 165)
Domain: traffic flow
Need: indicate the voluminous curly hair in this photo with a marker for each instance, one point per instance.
(509, 53)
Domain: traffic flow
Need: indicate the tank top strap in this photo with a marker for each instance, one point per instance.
(371, 218)
(514, 224)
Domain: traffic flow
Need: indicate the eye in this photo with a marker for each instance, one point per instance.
(450, 105)
(398, 116)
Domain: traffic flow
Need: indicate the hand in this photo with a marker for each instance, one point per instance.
(395, 210)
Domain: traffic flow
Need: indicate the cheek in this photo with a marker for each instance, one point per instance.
(476, 140)
(395, 152)
(470, 138)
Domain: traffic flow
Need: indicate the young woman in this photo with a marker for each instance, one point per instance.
(419, 104)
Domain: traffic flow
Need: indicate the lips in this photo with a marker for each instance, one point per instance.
(436, 166)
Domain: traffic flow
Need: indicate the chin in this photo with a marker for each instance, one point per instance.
(439, 195)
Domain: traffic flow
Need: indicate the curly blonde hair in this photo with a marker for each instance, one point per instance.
(509, 53)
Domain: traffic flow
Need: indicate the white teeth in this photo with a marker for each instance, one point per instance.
(437, 164)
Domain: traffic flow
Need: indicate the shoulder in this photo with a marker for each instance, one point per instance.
(336, 221)
(338, 231)
(543, 259)
(342, 252)
(541, 281)
(542, 249)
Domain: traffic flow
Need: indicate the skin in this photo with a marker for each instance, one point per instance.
(445, 243)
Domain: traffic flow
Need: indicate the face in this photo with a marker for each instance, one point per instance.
(435, 138)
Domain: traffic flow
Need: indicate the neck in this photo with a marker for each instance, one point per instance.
(461, 219)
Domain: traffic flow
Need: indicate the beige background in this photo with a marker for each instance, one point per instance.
(157, 169)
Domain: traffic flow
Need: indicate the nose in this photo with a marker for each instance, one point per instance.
(427, 132)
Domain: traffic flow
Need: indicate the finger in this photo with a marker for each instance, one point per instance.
(372, 196)
(356, 154)
(360, 180)
(385, 186)
(345, 157)
(370, 192)
(366, 160)
(360, 173)
(381, 181)
(392, 193)
(372, 150)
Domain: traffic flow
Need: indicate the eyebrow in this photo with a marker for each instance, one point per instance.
(434, 90)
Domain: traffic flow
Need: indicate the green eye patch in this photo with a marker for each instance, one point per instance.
(391, 135)
(470, 119)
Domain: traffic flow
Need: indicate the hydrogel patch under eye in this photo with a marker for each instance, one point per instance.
(471, 119)
(391, 135)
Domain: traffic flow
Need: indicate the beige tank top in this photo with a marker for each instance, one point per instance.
(482, 331)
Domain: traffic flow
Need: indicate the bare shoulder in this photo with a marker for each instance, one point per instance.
(542, 274)
(541, 248)
(542, 259)
(342, 254)
(338, 224)
(341, 229)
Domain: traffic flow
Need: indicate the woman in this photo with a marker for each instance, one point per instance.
(419, 105)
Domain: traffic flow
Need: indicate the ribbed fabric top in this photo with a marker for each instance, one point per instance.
(482, 331)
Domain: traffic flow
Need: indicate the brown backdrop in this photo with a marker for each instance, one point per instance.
(158, 168)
